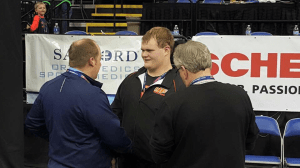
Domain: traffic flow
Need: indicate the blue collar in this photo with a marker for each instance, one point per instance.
(85, 77)
(200, 79)
(74, 69)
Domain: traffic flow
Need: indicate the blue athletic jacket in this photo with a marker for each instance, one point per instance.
(74, 114)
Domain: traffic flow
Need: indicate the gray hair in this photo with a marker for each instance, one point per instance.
(194, 56)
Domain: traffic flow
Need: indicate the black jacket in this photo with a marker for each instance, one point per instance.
(206, 125)
(136, 113)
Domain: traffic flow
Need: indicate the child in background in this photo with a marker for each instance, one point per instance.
(39, 23)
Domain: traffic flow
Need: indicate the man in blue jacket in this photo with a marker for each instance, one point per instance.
(74, 114)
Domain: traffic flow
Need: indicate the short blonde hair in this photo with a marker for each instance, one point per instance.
(81, 51)
(193, 55)
(162, 35)
(37, 4)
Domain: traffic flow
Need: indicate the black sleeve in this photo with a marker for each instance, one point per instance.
(162, 140)
(253, 130)
(117, 105)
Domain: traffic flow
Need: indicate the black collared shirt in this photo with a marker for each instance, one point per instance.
(137, 113)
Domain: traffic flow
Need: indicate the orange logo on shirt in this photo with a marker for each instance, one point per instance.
(160, 91)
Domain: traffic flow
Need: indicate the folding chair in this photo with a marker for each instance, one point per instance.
(261, 34)
(76, 32)
(125, 32)
(291, 139)
(268, 126)
(206, 33)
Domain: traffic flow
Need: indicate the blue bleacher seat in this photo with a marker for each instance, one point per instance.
(261, 34)
(125, 32)
(206, 33)
(186, 1)
(76, 32)
(292, 129)
(252, 1)
(213, 1)
(269, 126)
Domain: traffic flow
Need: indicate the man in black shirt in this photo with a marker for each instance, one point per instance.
(208, 124)
(140, 95)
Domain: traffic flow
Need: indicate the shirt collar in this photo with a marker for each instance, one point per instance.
(166, 82)
(92, 81)
(74, 69)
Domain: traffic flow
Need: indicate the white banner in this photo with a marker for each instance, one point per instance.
(267, 67)
(47, 57)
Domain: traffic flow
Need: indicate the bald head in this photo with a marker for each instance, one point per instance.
(81, 51)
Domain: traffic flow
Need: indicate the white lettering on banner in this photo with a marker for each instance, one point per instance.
(117, 55)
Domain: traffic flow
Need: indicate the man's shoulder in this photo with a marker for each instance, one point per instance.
(231, 90)
(52, 82)
(231, 86)
(135, 74)
(78, 84)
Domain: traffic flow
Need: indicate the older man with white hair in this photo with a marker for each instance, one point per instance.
(208, 124)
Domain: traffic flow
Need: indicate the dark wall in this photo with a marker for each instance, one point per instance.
(11, 107)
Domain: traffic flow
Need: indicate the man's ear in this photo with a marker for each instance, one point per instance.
(185, 73)
(167, 50)
(92, 61)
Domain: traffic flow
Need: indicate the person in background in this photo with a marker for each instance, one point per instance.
(209, 124)
(72, 112)
(39, 23)
(140, 95)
